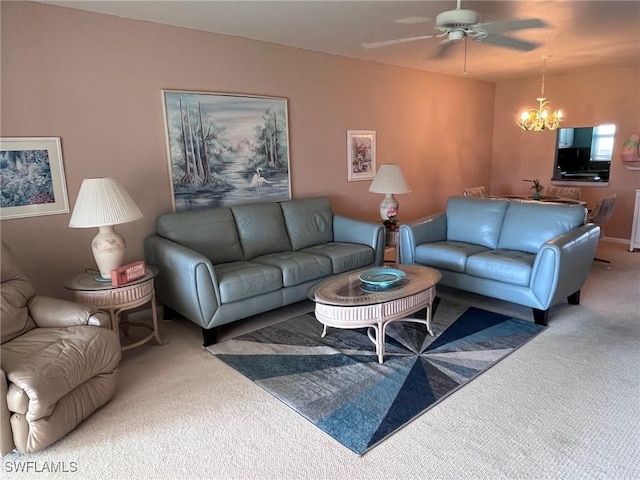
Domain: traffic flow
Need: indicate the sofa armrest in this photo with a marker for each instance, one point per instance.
(186, 281)
(563, 263)
(357, 231)
(432, 228)
(6, 433)
(100, 319)
(55, 312)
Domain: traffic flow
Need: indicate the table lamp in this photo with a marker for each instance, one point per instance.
(389, 180)
(103, 203)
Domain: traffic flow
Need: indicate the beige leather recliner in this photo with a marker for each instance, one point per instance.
(57, 364)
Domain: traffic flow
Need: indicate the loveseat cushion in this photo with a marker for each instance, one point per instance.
(45, 364)
(447, 255)
(344, 256)
(309, 221)
(261, 229)
(475, 220)
(297, 267)
(507, 266)
(209, 231)
(240, 280)
(527, 225)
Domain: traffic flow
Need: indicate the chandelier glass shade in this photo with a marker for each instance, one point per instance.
(542, 118)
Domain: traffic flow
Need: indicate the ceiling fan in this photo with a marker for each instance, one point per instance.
(461, 24)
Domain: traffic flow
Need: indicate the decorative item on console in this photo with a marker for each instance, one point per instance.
(534, 120)
(536, 187)
(389, 180)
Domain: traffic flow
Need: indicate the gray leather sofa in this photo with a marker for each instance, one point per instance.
(529, 253)
(219, 265)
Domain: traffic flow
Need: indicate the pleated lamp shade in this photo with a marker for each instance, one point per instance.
(103, 203)
(389, 179)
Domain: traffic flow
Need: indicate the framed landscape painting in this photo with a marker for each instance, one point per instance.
(361, 154)
(32, 177)
(226, 149)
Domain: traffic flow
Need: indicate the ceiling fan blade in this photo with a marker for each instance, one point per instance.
(512, 25)
(445, 50)
(386, 43)
(507, 42)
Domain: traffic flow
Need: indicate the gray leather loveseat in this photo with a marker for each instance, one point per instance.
(529, 253)
(219, 265)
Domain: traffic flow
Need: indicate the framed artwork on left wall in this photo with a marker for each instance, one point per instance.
(361, 155)
(32, 177)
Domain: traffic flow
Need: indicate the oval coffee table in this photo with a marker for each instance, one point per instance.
(342, 302)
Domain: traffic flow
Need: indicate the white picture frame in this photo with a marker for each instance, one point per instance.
(361, 155)
(33, 181)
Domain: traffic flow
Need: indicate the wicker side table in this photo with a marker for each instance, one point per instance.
(115, 301)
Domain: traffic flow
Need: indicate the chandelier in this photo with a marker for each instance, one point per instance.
(536, 120)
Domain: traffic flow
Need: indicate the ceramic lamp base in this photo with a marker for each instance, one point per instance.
(108, 250)
(388, 202)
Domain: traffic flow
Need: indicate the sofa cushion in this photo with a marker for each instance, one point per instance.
(309, 221)
(475, 220)
(240, 280)
(527, 225)
(209, 231)
(448, 255)
(508, 266)
(344, 256)
(297, 267)
(261, 229)
(48, 363)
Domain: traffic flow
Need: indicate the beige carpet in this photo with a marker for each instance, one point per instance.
(566, 405)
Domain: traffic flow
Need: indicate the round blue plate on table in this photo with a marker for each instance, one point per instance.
(382, 277)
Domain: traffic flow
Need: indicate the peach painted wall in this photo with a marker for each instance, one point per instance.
(587, 97)
(96, 80)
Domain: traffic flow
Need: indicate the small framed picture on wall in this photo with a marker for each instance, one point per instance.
(32, 176)
(361, 154)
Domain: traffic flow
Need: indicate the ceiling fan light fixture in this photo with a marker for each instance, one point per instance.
(462, 24)
(456, 19)
(541, 118)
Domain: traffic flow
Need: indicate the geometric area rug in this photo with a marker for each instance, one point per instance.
(336, 382)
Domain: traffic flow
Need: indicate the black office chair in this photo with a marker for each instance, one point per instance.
(600, 215)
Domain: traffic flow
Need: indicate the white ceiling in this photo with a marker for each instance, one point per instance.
(580, 33)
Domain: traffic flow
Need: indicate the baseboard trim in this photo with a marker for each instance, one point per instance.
(616, 240)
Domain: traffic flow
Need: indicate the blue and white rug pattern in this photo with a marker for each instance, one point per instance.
(337, 383)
